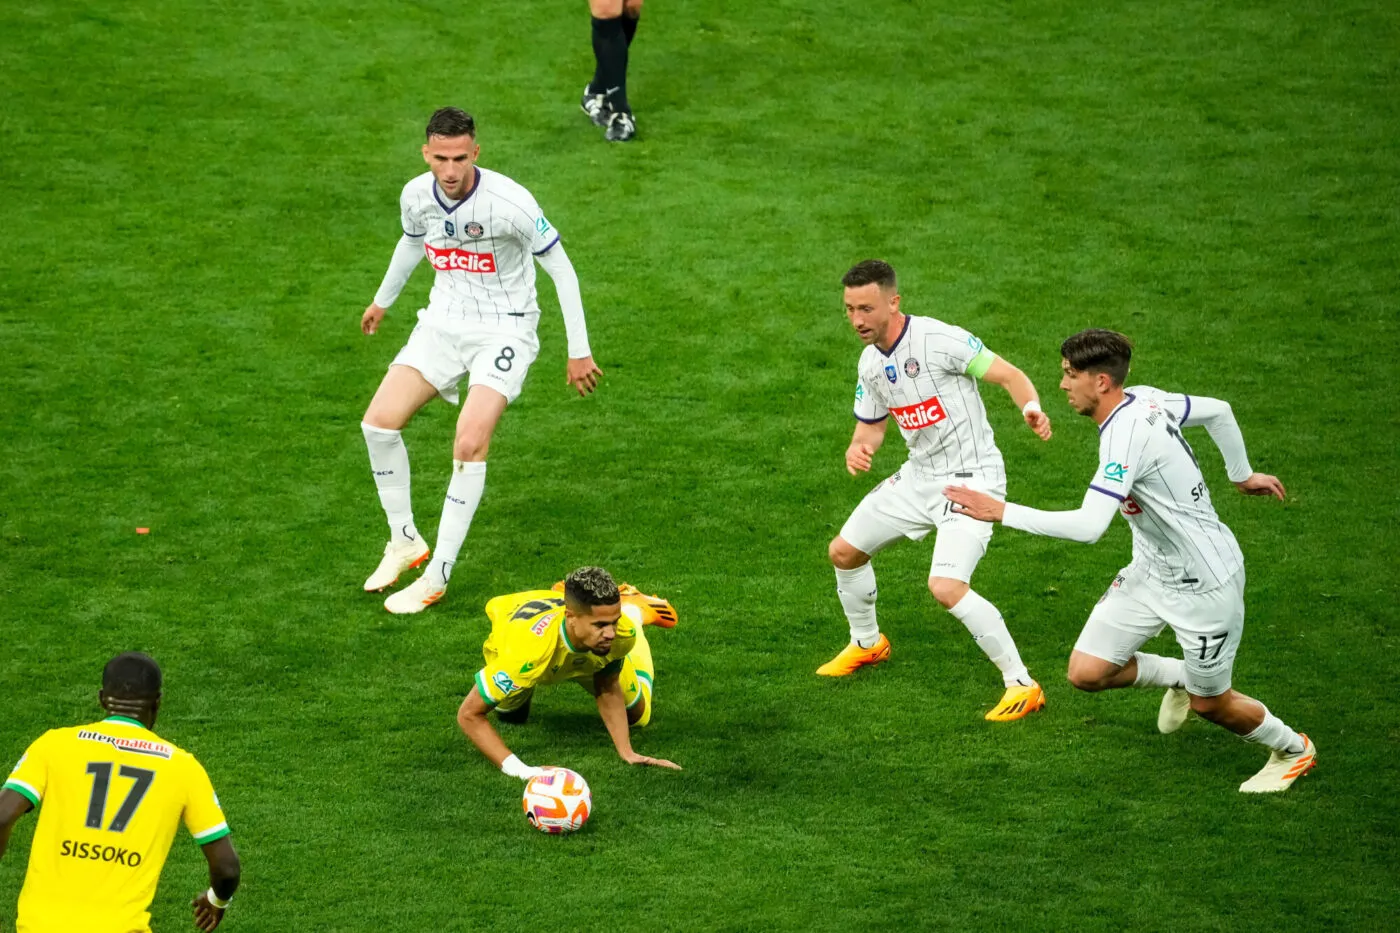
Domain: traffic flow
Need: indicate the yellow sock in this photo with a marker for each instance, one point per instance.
(640, 656)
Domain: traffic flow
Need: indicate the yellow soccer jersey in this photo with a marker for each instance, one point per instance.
(528, 646)
(110, 795)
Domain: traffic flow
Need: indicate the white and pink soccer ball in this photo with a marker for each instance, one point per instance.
(557, 801)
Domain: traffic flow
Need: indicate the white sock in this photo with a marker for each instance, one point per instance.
(1153, 670)
(989, 631)
(856, 590)
(1275, 734)
(463, 495)
(388, 458)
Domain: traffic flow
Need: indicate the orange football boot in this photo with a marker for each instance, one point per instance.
(853, 657)
(1017, 702)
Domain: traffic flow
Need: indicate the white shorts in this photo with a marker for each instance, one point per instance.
(909, 505)
(1208, 626)
(497, 361)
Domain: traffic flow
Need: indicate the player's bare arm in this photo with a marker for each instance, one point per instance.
(12, 807)
(471, 716)
(224, 874)
(612, 707)
(864, 442)
(1018, 385)
(975, 504)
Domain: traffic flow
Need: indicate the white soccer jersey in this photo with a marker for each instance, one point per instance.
(1147, 465)
(483, 250)
(924, 383)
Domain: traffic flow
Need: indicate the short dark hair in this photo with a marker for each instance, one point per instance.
(870, 271)
(132, 676)
(587, 587)
(1097, 350)
(451, 121)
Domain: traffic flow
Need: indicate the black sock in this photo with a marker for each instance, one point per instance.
(629, 27)
(610, 50)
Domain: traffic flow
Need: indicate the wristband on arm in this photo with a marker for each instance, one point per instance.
(519, 769)
(215, 901)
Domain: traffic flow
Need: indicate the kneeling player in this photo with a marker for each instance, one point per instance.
(592, 635)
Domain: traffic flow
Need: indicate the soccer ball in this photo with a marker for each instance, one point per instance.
(557, 801)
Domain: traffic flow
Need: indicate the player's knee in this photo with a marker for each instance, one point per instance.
(632, 8)
(947, 591)
(1091, 678)
(382, 419)
(470, 447)
(1210, 708)
(844, 556)
(605, 9)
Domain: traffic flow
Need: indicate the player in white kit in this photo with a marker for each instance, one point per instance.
(482, 233)
(1187, 571)
(924, 373)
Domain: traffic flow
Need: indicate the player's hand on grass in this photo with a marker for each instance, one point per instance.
(1039, 422)
(858, 458)
(974, 504)
(583, 375)
(369, 324)
(635, 759)
(206, 916)
(1261, 484)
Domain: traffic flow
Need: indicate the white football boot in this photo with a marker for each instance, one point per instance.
(398, 557)
(417, 596)
(1282, 770)
(1176, 706)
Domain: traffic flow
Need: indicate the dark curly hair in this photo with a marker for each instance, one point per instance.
(587, 587)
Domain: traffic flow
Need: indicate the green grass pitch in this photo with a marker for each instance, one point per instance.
(198, 200)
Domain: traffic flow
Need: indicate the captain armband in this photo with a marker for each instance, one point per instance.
(977, 367)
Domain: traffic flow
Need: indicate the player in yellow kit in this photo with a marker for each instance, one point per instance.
(592, 634)
(111, 795)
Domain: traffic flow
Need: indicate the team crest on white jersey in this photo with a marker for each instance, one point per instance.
(474, 230)
(911, 367)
